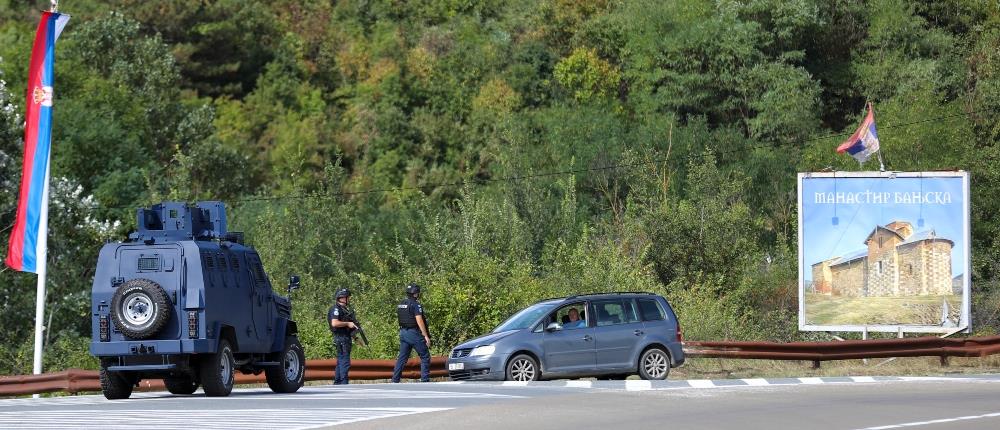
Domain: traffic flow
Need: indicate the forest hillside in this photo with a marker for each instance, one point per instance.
(495, 152)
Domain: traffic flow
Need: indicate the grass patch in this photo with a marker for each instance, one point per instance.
(838, 310)
(719, 368)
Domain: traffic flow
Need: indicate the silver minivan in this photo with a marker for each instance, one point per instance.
(608, 335)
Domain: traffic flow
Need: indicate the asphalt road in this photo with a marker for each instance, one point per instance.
(785, 403)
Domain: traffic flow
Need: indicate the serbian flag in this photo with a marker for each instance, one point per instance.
(864, 142)
(26, 243)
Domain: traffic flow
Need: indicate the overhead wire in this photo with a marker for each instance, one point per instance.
(516, 178)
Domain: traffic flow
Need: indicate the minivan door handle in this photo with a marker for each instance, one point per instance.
(587, 338)
(637, 332)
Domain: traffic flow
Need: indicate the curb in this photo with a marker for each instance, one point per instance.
(643, 385)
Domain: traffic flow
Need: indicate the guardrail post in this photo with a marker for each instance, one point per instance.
(815, 364)
(864, 336)
(944, 361)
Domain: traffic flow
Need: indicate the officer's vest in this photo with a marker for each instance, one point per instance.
(346, 315)
(405, 312)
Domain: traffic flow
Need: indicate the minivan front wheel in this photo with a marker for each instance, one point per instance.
(654, 363)
(523, 368)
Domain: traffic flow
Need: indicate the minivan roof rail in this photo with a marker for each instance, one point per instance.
(573, 296)
(610, 293)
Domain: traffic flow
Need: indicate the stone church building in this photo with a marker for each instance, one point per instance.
(896, 262)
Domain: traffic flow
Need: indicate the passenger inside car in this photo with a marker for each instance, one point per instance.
(609, 314)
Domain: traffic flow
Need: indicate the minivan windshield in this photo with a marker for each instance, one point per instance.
(525, 317)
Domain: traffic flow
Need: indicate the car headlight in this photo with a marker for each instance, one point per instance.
(483, 350)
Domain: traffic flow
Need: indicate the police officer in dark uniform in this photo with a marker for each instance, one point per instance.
(413, 334)
(342, 324)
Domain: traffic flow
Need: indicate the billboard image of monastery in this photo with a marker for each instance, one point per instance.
(883, 253)
(894, 262)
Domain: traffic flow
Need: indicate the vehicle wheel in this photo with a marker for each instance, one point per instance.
(115, 385)
(181, 385)
(523, 368)
(654, 363)
(140, 308)
(291, 375)
(217, 371)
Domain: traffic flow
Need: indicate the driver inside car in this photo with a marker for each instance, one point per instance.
(574, 320)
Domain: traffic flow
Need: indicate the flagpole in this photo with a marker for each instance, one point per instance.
(42, 258)
(43, 235)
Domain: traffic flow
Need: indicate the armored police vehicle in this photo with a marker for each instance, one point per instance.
(184, 300)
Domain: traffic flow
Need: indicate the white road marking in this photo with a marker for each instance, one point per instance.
(701, 383)
(939, 421)
(632, 385)
(304, 394)
(222, 419)
(376, 391)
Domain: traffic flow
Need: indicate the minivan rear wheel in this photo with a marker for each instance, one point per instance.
(654, 364)
(523, 367)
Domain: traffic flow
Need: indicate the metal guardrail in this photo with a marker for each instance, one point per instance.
(75, 381)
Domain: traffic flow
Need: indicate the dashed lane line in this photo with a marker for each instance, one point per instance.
(644, 385)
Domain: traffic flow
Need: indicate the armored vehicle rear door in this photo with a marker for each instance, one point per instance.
(161, 264)
(262, 300)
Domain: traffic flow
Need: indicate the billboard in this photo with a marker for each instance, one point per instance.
(884, 251)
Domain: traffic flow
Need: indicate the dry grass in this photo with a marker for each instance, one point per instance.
(718, 368)
(838, 310)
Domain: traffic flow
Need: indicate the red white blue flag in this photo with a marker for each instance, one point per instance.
(864, 142)
(26, 245)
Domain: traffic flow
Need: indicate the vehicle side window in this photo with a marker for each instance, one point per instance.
(650, 310)
(571, 317)
(630, 312)
(610, 312)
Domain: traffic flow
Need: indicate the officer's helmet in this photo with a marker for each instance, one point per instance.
(343, 292)
(412, 289)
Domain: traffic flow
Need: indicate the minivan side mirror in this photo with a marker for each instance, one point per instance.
(293, 283)
(553, 327)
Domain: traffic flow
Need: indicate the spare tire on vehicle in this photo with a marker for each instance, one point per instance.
(140, 308)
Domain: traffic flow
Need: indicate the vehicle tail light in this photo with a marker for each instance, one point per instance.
(680, 332)
(193, 324)
(104, 328)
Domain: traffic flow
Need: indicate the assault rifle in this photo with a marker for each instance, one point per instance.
(360, 332)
